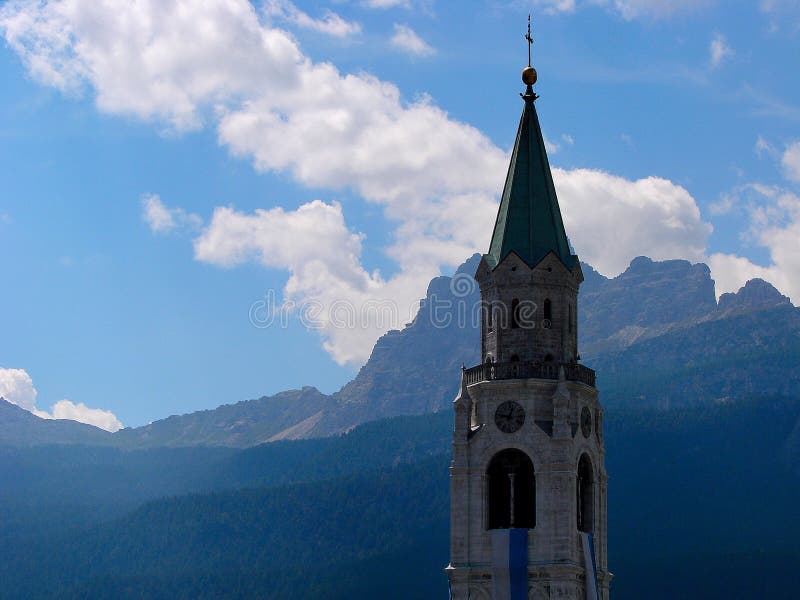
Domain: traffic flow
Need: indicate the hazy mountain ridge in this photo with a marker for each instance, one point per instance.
(655, 334)
(18, 427)
(239, 425)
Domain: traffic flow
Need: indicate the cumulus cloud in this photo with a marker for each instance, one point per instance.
(659, 217)
(161, 219)
(719, 50)
(154, 59)
(272, 105)
(330, 23)
(774, 217)
(104, 419)
(407, 40)
(16, 386)
(326, 276)
(790, 161)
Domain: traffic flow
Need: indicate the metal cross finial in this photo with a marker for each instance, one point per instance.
(530, 40)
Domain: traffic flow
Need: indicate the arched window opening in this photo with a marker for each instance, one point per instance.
(514, 314)
(514, 365)
(514, 358)
(489, 317)
(585, 495)
(548, 358)
(489, 359)
(548, 309)
(511, 491)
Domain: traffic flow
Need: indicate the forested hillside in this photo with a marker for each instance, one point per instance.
(701, 500)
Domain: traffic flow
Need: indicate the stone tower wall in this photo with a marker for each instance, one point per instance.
(535, 339)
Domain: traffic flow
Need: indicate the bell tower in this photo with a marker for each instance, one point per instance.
(527, 480)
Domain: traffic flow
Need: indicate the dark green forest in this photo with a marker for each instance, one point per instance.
(702, 504)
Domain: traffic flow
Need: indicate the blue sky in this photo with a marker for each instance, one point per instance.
(167, 165)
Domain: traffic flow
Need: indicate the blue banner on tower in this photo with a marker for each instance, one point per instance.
(510, 564)
(592, 589)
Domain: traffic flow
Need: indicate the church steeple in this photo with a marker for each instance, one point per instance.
(528, 485)
(529, 220)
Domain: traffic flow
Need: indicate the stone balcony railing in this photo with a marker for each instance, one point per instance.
(521, 370)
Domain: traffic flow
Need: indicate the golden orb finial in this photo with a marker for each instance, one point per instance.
(529, 75)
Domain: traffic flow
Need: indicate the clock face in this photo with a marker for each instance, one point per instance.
(586, 422)
(509, 417)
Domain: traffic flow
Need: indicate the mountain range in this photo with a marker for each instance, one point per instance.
(655, 334)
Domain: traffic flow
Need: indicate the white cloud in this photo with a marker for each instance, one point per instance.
(407, 40)
(356, 132)
(274, 106)
(104, 419)
(556, 6)
(157, 216)
(719, 50)
(661, 219)
(791, 162)
(155, 59)
(330, 23)
(161, 219)
(774, 216)
(276, 238)
(16, 386)
(324, 261)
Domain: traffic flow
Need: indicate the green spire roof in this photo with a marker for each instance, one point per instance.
(529, 220)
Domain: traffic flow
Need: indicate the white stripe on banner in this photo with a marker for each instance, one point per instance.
(592, 589)
(510, 564)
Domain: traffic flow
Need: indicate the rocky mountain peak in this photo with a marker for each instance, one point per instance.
(755, 294)
(647, 294)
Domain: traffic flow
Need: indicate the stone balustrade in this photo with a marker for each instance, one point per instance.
(522, 370)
